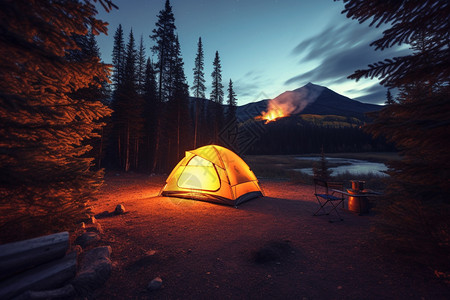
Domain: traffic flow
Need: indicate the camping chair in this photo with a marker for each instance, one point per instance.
(328, 198)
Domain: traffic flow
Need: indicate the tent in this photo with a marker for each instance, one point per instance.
(215, 174)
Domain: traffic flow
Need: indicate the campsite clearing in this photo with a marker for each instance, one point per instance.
(268, 248)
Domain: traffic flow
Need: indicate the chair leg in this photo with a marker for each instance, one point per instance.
(335, 207)
(322, 207)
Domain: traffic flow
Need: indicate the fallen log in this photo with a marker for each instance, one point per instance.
(19, 256)
(63, 292)
(44, 277)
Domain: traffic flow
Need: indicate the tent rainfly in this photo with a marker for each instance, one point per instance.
(215, 174)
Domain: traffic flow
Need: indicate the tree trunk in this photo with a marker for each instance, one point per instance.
(127, 152)
(136, 154)
(196, 123)
(156, 155)
(178, 133)
(119, 149)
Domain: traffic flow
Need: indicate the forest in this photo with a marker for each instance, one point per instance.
(154, 119)
(65, 116)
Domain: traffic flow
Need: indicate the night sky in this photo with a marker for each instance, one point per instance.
(266, 46)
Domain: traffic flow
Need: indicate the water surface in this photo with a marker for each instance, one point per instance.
(353, 166)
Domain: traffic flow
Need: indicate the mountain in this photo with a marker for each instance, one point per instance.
(310, 99)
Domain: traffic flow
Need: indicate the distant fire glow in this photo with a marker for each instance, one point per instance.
(272, 114)
(290, 103)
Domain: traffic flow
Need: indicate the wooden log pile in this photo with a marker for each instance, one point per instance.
(40, 268)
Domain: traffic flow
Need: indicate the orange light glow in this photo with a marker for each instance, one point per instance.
(272, 114)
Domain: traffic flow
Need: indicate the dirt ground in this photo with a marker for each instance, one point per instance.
(269, 248)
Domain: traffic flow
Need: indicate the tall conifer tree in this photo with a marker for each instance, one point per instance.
(178, 107)
(151, 118)
(118, 57)
(414, 213)
(128, 107)
(164, 37)
(198, 87)
(231, 102)
(141, 67)
(217, 86)
(45, 182)
(217, 97)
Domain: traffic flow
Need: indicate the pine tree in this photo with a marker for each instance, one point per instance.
(118, 57)
(141, 67)
(389, 98)
(46, 183)
(96, 91)
(151, 118)
(178, 108)
(164, 37)
(217, 97)
(229, 135)
(199, 75)
(231, 102)
(128, 109)
(321, 169)
(173, 92)
(199, 87)
(414, 213)
(217, 86)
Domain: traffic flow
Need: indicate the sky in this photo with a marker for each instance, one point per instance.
(266, 47)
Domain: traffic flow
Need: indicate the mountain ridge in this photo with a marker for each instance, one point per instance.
(320, 101)
(326, 102)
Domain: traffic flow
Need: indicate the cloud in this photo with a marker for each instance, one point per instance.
(375, 94)
(337, 52)
(249, 86)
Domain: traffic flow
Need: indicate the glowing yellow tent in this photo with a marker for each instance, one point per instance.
(212, 173)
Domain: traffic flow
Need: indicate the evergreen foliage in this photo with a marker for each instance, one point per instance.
(198, 88)
(321, 169)
(46, 181)
(118, 57)
(217, 86)
(178, 123)
(164, 37)
(96, 91)
(415, 212)
(309, 133)
(199, 75)
(128, 108)
(215, 109)
(231, 102)
(173, 123)
(389, 98)
(141, 67)
(152, 120)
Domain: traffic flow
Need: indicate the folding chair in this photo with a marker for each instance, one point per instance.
(327, 198)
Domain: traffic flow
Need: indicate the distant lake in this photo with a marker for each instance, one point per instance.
(353, 166)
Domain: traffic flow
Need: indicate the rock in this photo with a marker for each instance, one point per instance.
(150, 252)
(87, 239)
(155, 284)
(120, 209)
(97, 228)
(95, 269)
(82, 225)
(92, 220)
